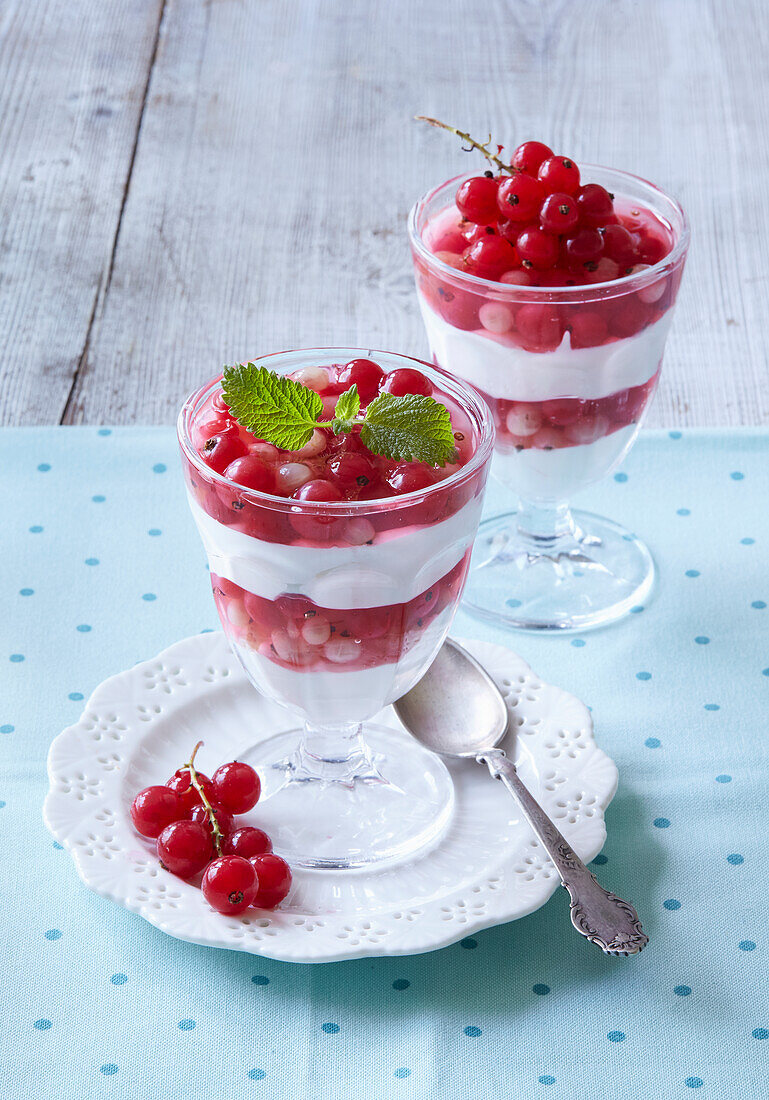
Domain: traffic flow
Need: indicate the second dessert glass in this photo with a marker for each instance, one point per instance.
(568, 372)
(335, 610)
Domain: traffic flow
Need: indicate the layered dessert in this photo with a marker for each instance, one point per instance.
(336, 570)
(550, 290)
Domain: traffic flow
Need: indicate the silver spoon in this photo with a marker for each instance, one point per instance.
(457, 710)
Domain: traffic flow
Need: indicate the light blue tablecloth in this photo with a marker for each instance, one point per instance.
(101, 567)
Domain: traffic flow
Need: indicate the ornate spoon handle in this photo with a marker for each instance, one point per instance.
(602, 917)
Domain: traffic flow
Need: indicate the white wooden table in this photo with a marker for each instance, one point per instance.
(185, 183)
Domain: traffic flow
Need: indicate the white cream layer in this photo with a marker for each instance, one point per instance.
(500, 369)
(392, 570)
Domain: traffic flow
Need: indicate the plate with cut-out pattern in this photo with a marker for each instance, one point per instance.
(488, 867)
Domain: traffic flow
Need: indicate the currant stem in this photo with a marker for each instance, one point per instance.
(190, 765)
(480, 146)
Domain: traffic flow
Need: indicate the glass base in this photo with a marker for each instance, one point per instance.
(594, 574)
(388, 799)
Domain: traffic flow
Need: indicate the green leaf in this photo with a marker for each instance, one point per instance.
(409, 429)
(347, 408)
(271, 407)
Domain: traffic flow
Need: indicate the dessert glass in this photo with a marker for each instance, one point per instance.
(568, 373)
(335, 610)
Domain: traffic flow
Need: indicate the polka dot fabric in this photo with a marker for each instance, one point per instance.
(103, 1005)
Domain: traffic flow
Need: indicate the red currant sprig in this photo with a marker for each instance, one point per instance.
(216, 833)
(481, 146)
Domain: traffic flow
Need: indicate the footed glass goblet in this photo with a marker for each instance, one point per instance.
(335, 607)
(568, 372)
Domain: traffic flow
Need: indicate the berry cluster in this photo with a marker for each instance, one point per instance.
(191, 817)
(536, 224)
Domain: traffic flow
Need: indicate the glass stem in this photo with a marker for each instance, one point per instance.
(333, 753)
(545, 527)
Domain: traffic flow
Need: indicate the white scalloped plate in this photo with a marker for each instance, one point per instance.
(488, 868)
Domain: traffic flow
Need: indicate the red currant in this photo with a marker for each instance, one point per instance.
(405, 380)
(224, 819)
(559, 174)
(274, 876)
(185, 848)
(251, 472)
(539, 327)
(477, 199)
(588, 329)
(363, 373)
(352, 471)
(222, 449)
(153, 809)
(489, 257)
(559, 213)
(595, 205)
(247, 842)
(318, 489)
(237, 787)
(536, 248)
(584, 247)
(520, 197)
(619, 245)
(528, 156)
(230, 884)
(410, 477)
(181, 783)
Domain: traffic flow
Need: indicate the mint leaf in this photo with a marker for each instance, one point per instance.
(271, 407)
(412, 428)
(347, 408)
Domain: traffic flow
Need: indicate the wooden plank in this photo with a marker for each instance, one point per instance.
(74, 76)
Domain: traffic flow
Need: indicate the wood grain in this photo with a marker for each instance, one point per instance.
(276, 162)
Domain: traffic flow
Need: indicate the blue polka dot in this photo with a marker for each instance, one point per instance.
(119, 979)
(652, 742)
(672, 904)
(53, 934)
(694, 1082)
(600, 860)
(661, 823)
(154, 531)
(57, 846)
(712, 706)
(91, 561)
(747, 542)
(401, 983)
(736, 476)
(760, 1033)
(7, 728)
(702, 639)
(17, 658)
(692, 573)
(76, 696)
(620, 477)
(402, 1072)
(723, 779)
(98, 499)
(149, 597)
(643, 675)
(546, 1079)
(330, 1029)
(256, 1074)
(735, 859)
(36, 529)
(159, 468)
(186, 1025)
(765, 671)
(578, 643)
(616, 1036)
(260, 979)
(44, 467)
(513, 602)
(473, 1032)
(683, 512)
(682, 990)
(104, 431)
(674, 435)
(83, 628)
(540, 990)
(26, 591)
(637, 609)
(759, 605)
(746, 945)
(109, 1069)
(2, 804)
(43, 1025)
(469, 943)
